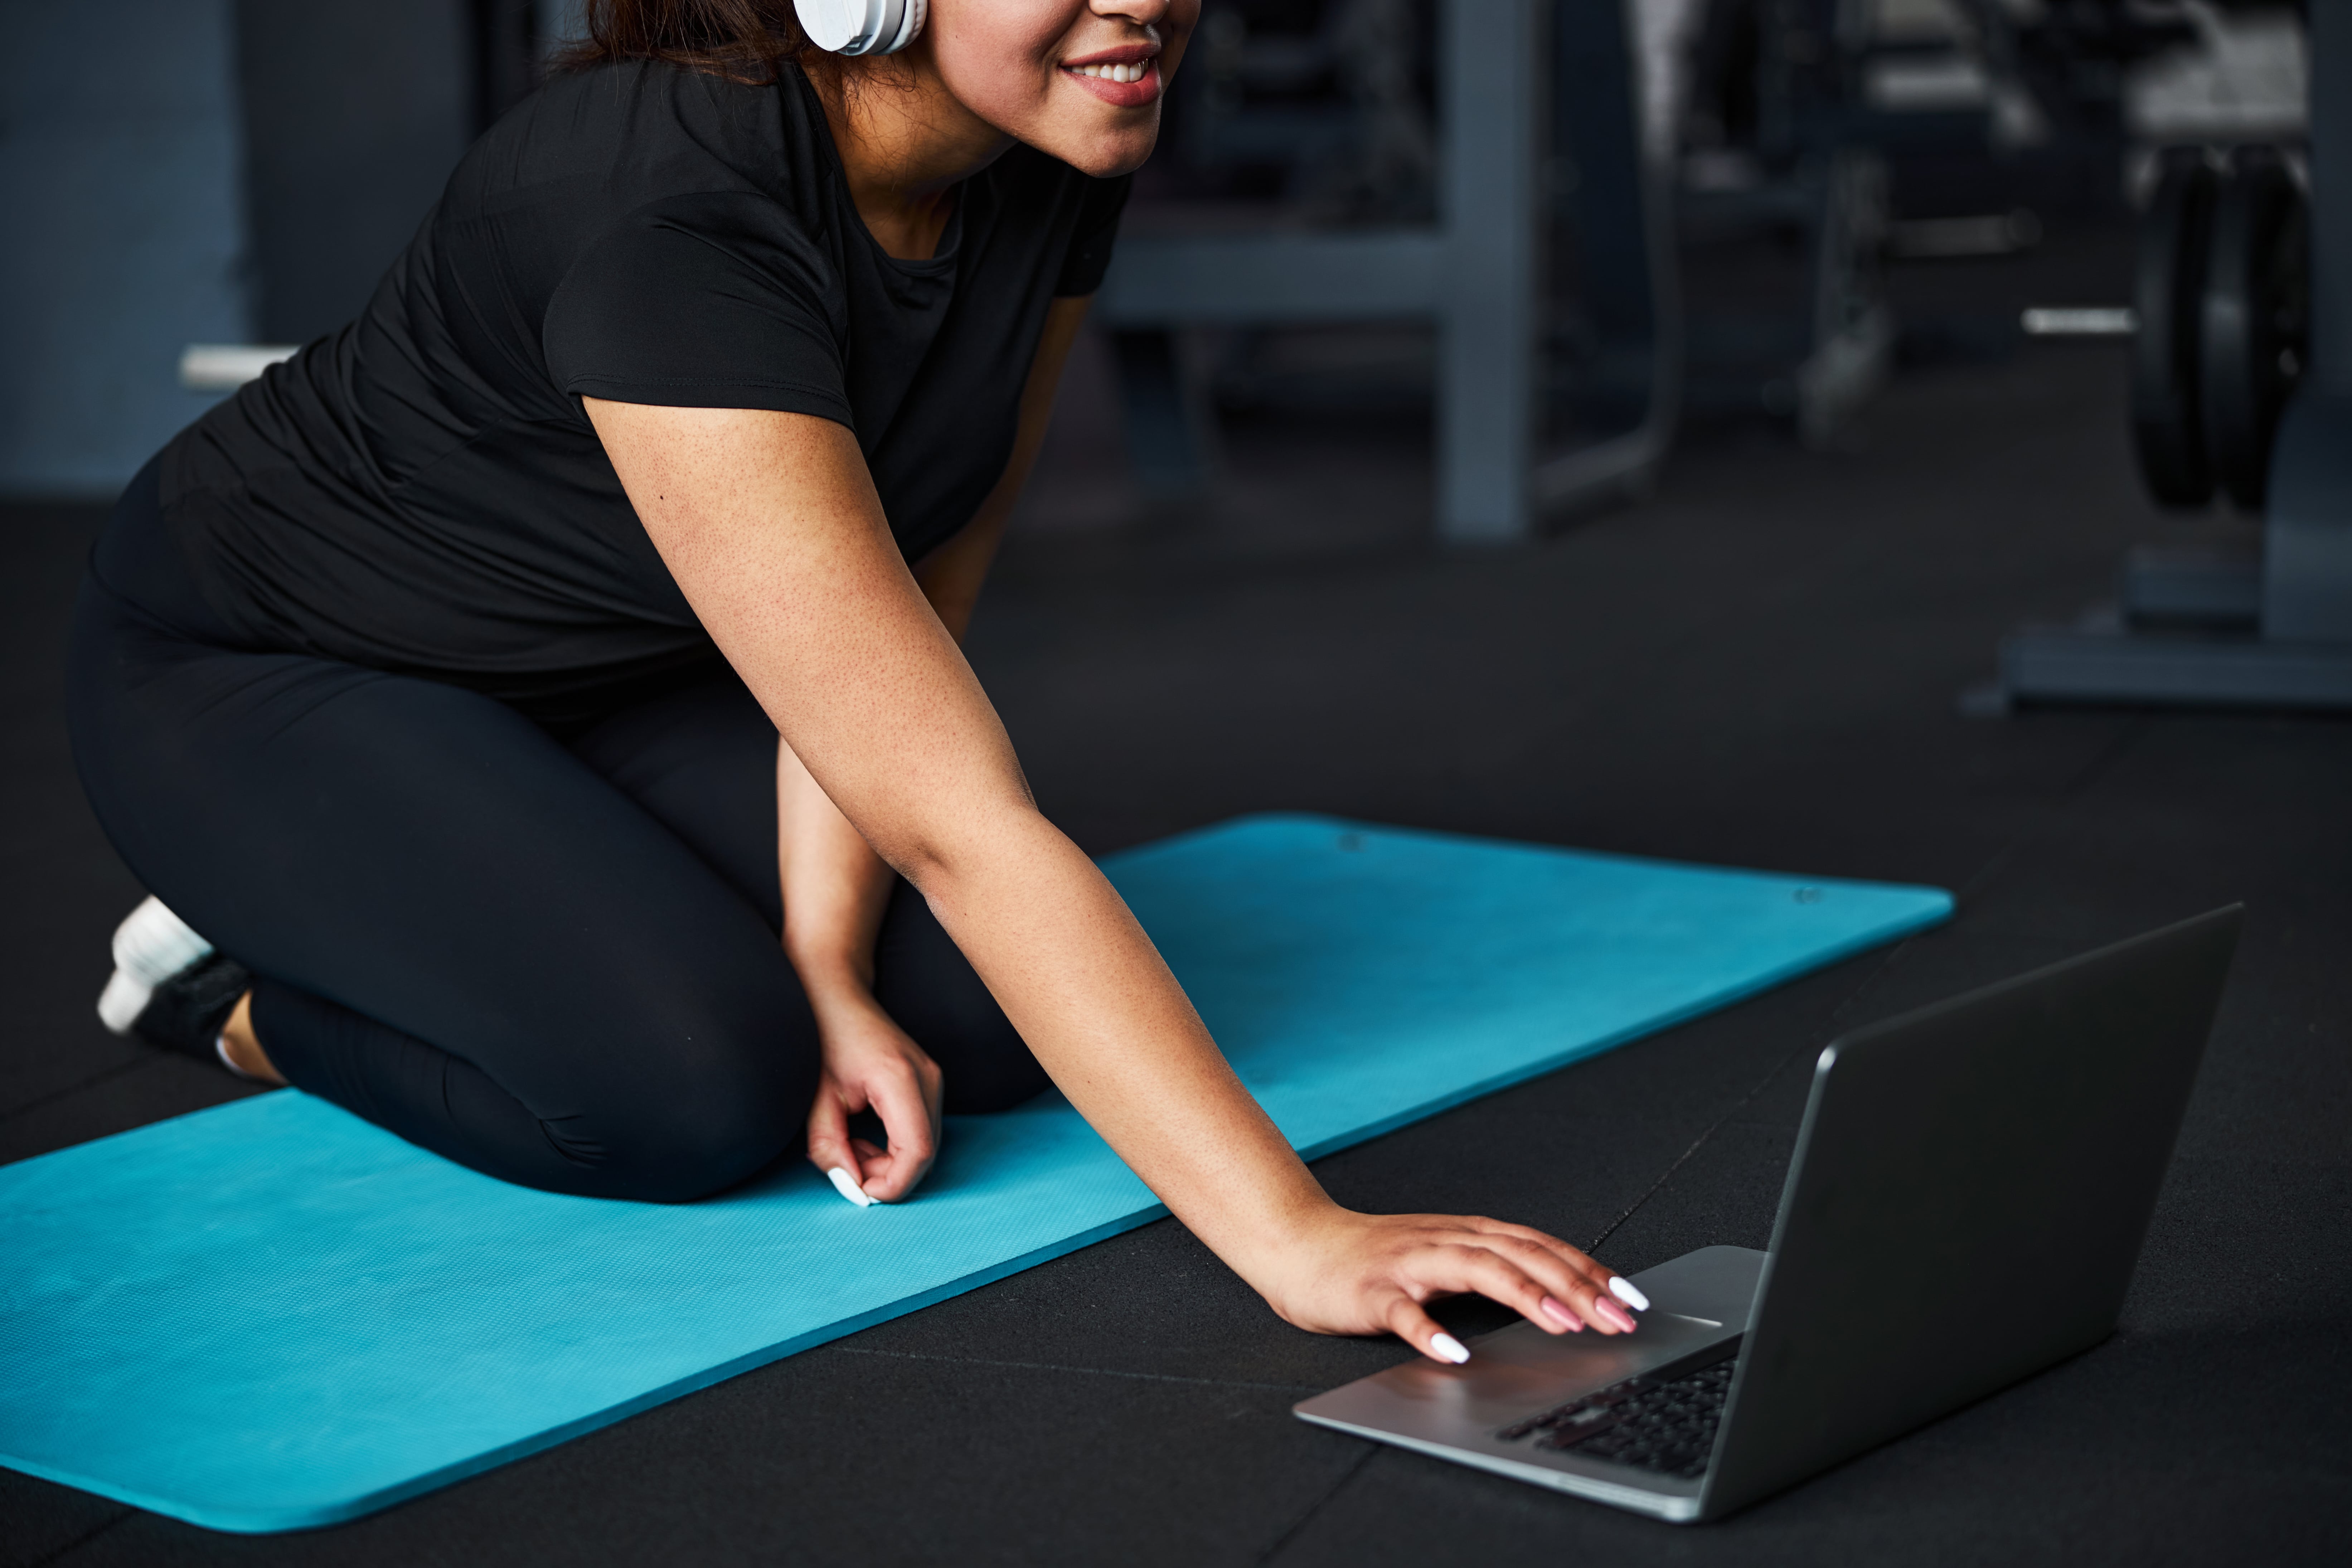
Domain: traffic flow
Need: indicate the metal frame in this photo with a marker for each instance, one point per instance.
(1478, 275)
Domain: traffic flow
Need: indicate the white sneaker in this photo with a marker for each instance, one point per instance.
(151, 945)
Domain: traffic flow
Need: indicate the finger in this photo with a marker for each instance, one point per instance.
(899, 1101)
(932, 1085)
(1582, 1290)
(1419, 1329)
(1461, 1266)
(829, 1147)
(1517, 1238)
(1625, 1290)
(928, 1074)
(1594, 1307)
(1584, 1263)
(1499, 1278)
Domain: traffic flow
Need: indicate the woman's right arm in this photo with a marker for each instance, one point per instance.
(834, 887)
(771, 527)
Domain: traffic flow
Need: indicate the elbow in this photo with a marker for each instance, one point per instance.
(941, 857)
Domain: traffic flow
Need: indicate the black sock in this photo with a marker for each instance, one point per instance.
(188, 1011)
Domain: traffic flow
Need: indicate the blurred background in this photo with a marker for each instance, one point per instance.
(1890, 438)
(1705, 212)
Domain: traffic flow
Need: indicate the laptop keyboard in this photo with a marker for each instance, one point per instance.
(1663, 1421)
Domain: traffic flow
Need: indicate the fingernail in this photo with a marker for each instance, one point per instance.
(1615, 1316)
(1562, 1316)
(847, 1185)
(1450, 1349)
(1625, 1290)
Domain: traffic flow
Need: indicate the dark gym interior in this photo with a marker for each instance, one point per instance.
(1786, 636)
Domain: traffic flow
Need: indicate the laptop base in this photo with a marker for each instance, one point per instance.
(1697, 1302)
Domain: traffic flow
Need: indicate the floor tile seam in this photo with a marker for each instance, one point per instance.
(60, 1553)
(1314, 1510)
(2127, 738)
(1085, 1371)
(103, 1076)
(2069, 796)
(1885, 966)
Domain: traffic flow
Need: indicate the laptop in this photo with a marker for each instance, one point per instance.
(1971, 1185)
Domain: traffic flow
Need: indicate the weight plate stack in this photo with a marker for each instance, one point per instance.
(2168, 296)
(2253, 329)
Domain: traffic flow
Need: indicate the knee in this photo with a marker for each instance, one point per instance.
(702, 1120)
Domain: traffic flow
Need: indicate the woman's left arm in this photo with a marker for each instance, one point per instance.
(835, 888)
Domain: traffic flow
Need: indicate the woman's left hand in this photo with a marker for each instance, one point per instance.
(870, 1063)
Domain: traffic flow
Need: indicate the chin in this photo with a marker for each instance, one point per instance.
(1093, 149)
(1105, 158)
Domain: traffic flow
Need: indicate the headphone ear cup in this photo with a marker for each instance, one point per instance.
(861, 26)
(831, 26)
(913, 15)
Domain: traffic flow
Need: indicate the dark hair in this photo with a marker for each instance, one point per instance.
(742, 40)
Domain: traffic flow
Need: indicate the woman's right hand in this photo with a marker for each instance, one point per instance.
(871, 1064)
(1367, 1274)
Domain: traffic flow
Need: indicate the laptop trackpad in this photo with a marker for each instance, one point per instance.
(1699, 1299)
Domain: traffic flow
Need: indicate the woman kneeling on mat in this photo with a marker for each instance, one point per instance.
(437, 678)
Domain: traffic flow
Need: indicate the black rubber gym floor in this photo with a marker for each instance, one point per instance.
(1759, 668)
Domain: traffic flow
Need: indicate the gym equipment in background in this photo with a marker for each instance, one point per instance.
(2252, 324)
(271, 1315)
(2167, 316)
(1781, 213)
(2221, 320)
(1824, 139)
(1538, 132)
(2242, 389)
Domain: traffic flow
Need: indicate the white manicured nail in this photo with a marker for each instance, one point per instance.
(847, 1185)
(1452, 1349)
(1626, 1291)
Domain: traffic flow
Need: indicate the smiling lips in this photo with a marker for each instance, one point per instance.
(1117, 79)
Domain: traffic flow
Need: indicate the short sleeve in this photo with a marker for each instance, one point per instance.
(1090, 246)
(711, 301)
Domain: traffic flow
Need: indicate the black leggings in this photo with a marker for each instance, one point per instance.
(552, 960)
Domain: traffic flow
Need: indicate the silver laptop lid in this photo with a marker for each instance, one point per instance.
(1973, 1181)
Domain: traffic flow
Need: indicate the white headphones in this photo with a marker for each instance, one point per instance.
(861, 26)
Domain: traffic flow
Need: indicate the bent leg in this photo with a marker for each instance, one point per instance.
(468, 936)
(702, 760)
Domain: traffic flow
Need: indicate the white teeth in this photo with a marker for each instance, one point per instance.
(1115, 72)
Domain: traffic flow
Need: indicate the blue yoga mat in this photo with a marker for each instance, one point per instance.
(270, 1315)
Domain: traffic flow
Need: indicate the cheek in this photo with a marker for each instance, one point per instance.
(996, 56)
(1176, 30)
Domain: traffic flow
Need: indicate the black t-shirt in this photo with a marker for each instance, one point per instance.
(421, 491)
